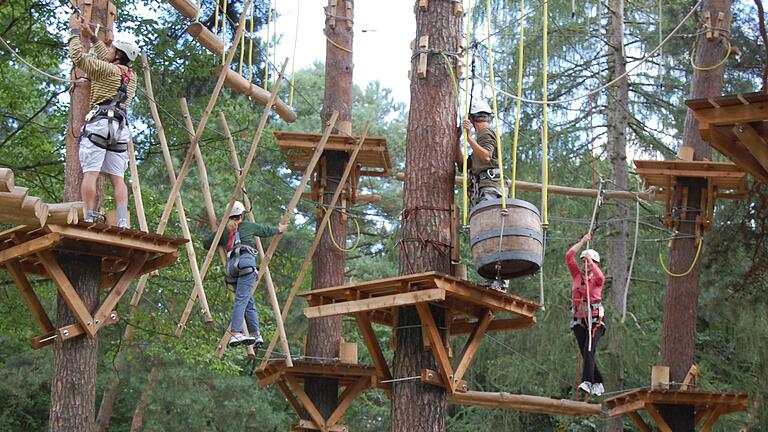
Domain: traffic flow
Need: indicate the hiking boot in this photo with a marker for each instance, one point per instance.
(598, 389)
(586, 387)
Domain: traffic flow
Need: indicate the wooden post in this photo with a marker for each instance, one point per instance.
(660, 377)
(313, 247)
(240, 181)
(191, 254)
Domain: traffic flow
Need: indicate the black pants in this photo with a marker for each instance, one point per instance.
(589, 371)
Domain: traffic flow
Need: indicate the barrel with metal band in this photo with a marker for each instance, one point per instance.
(113, 111)
(507, 244)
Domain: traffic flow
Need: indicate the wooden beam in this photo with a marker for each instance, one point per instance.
(7, 182)
(68, 292)
(722, 142)
(525, 403)
(641, 424)
(711, 419)
(487, 298)
(148, 267)
(374, 303)
(305, 400)
(74, 330)
(752, 140)
(434, 378)
(346, 399)
(626, 408)
(729, 115)
(307, 424)
(438, 348)
(465, 327)
(114, 296)
(693, 372)
(657, 417)
(113, 239)
(290, 397)
(372, 342)
(473, 343)
(30, 247)
(33, 302)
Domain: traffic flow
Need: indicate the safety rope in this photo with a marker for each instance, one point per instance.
(728, 50)
(293, 57)
(336, 44)
(269, 28)
(449, 66)
(250, 44)
(224, 33)
(545, 125)
(598, 203)
(631, 262)
(41, 72)
(496, 108)
(690, 269)
(518, 106)
(357, 237)
(467, 98)
(242, 52)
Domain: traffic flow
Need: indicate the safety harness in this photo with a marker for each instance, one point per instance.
(115, 113)
(235, 248)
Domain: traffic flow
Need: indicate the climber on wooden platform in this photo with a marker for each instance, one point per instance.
(587, 278)
(105, 134)
(485, 178)
(241, 271)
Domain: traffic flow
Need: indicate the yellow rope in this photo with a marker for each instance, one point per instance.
(357, 237)
(274, 38)
(224, 31)
(331, 41)
(293, 58)
(266, 63)
(216, 19)
(250, 45)
(467, 96)
(197, 12)
(717, 65)
(495, 107)
(449, 66)
(545, 126)
(520, 58)
(242, 52)
(690, 269)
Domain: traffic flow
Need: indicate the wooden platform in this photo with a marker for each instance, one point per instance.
(709, 406)
(470, 309)
(373, 160)
(724, 181)
(735, 125)
(125, 254)
(353, 378)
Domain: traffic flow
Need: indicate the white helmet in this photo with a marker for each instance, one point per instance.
(130, 49)
(480, 107)
(237, 209)
(592, 254)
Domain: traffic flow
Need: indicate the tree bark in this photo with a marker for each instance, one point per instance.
(618, 121)
(73, 387)
(141, 407)
(427, 198)
(328, 263)
(682, 293)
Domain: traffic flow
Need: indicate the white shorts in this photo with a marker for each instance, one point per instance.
(96, 159)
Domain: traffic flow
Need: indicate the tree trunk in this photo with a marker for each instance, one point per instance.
(682, 293)
(428, 194)
(618, 120)
(141, 407)
(328, 263)
(73, 387)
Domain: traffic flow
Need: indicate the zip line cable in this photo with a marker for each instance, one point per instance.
(41, 72)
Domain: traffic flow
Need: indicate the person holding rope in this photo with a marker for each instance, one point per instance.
(241, 271)
(105, 134)
(586, 296)
(485, 178)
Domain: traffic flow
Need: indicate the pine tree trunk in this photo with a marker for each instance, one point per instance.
(682, 293)
(618, 120)
(141, 407)
(427, 198)
(73, 386)
(109, 396)
(328, 263)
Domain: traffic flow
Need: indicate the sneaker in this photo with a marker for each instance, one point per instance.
(498, 285)
(236, 340)
(258, 342)
(585, 386)
(598, 389)
(248, 340)
(122, 223)
(92, 216)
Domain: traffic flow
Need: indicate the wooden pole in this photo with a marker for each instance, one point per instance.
(525, 403)
(319, 235)
(238, 188)
(198, 280)
(201, 128)
(287, 215)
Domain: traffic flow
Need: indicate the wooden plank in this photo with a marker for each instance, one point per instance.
(657, 417)
(33, 302)
(730, 115)
(346, 399)
(74, 330)
(291, 399)
(473, 343)
(305, 400)
(711, 419)
(495, 301)
(438, 349)
(374, 303)
(118, 240)
(68, 292)
(639, 421)
(148, 267)
(114, 296)
(626, 408)
(29, 247)
(372, 342)
(689, 173)
(310, 425)
(434, 378)
(753, 142)
(525, 403)
(421, 67)
(391, 283)
(465, 327)
(718, 138)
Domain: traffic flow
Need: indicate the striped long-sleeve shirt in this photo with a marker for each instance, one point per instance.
(105, 76)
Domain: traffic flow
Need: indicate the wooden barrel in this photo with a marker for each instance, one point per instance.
(506, 246)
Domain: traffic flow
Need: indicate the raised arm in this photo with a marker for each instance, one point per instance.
(95, 68)
(570, 256)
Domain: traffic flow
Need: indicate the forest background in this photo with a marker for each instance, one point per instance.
(186, 388)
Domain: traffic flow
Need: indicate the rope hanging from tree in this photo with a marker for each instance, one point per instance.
(495, 106)
(516, 136)
(598, 204)
(467, 98)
